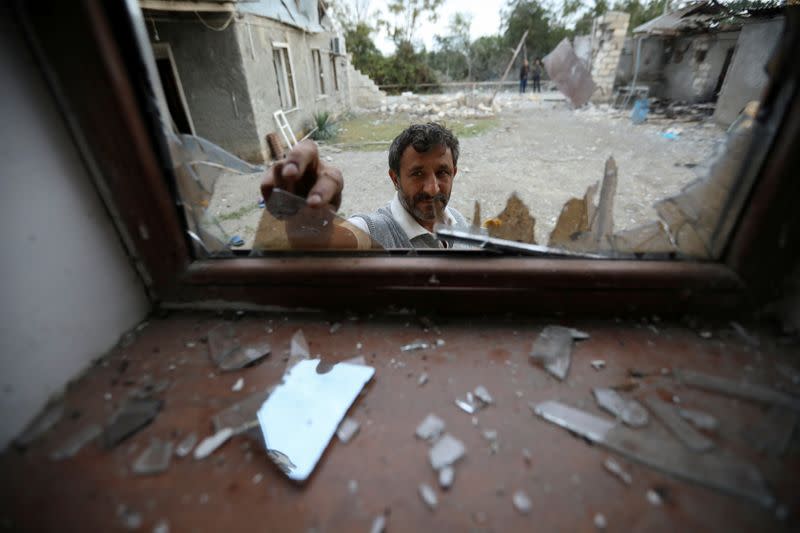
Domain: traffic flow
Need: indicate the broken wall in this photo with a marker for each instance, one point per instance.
(694, 64)
(255, 37)
(69, 288)
(651, 63)
(211, 70)
(582, 45)
(746, 76)
(608, 40)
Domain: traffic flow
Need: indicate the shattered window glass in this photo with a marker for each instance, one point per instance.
(620, 141)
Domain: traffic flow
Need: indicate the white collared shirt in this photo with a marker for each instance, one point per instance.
(412, 228)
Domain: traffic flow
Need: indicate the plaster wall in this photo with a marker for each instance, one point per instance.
(69, 291)
(747, 77)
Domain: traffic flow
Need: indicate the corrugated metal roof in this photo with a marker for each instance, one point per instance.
(285, 11)
(695, 16)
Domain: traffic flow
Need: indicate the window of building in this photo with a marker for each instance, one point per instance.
(284, 75)
(319, 74)
(334, 73)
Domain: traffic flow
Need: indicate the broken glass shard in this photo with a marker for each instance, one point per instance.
(630, 412)
(654, 497)
(378, 525)
(578, 334)
(298, 347)
(347, 430)
(239, 385)
(130, 418)
(245, 356)
(598, 364)
(416, 345)
(222, 342)
(336, 326)
(553, 350)
(490, 434)
(615, 468)
(483, 395)
(186, 445)
(76, 442)
(240, 415)
(747, 391)
(699, 419)
(669, 416)
(600, 521)
(423, 379)
(430, 428)
(446, 477)
(466, 406)
(302, 413)
(446, 451)
(522, 502)
(154, 459)
(714, 470)
(772, 434)
(428, 496)
(210, 444)
(45, 420)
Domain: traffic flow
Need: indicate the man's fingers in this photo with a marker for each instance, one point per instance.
(303, 157)
(269, 182)
(327, 189)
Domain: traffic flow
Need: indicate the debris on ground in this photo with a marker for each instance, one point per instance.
(446, 477)
(430, 428)
(616, 469)
(747, 391)
(630, 412)
(428, 496)
(155, 459)
(686, 433)
(76, 442)
(721, 472)
(210, 444)
(347, 429)
(129, 419)
(440, 106)
(446, 451)
(522, 502)
(321, 400)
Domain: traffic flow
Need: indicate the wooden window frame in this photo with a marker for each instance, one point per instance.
(318, 72)
(104, 108)
(290, 66)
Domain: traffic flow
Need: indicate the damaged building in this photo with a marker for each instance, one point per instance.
(228, 67)
(699, 54)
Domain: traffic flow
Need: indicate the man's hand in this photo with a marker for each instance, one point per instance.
(304, 174)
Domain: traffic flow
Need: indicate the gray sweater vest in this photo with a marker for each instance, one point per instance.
(384, 229)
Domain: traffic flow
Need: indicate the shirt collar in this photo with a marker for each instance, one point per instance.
(408, 223)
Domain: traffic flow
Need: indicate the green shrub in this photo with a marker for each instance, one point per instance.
(326, 127)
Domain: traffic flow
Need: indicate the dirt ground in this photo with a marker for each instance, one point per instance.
(539, 148)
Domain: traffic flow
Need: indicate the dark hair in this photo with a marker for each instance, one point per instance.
(422, 137)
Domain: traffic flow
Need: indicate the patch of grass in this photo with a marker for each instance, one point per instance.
(239, 213)
(326, 127)
(374, 132)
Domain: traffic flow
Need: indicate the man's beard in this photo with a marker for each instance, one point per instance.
(429, 212)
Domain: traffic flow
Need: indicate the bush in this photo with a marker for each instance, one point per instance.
(326, 127)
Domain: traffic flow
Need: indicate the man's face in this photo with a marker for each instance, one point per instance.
(425, 182)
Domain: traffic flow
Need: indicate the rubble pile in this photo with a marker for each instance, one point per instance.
(439, 106)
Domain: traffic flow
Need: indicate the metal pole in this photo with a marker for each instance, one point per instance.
(519, 47)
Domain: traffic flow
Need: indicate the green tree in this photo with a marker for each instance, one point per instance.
(545, 30)
(366, 56)
(453, 53)
(404, 15)
(490, 55)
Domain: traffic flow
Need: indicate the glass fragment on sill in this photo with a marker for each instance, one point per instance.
(699, 419)
(514, 223)
(771, 435)
(416, 345)
(76, 442)
(303, 412)
(553, 350)
(298, 350)
(747, 391)
(428, 496)
(44, 421)
(155, 459)
(197, 165)
(598, 364)
(483, 395)
(715, 470)
(378, 524)
(423, 379)
(522, 502)
(446, 477)
(186, 445)
(211, 443)
(616, 469)
(241, 415)
(629, 412)
(679, 427)
(288, 223)
(347, 430)
(129, 419)
(222, 342)
(446, 451)
(430, 428)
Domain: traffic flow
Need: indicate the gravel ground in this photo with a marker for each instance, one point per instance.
(542, 150)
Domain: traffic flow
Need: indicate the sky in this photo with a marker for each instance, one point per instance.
(485, 20)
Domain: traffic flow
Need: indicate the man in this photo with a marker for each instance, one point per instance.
(422, 165)
(537, 75)
(523, 76)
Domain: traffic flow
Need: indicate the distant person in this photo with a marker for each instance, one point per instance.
(537, 75)
(422, 164)
(523, 76)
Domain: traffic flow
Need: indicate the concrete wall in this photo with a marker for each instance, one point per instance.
(746, 77)
(609, 38)
(211, 69)
(263, 85)
(692, 69)
(651, 63)
(68, 289)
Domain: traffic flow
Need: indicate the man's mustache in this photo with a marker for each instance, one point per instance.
(425, 197)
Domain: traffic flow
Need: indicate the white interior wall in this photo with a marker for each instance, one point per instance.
(68, 289)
